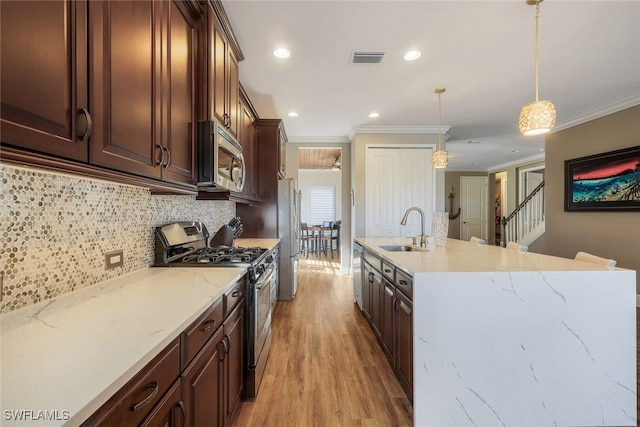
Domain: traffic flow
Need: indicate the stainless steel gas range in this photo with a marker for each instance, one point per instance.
(186, 244)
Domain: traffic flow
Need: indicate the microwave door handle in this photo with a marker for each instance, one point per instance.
(242, 170)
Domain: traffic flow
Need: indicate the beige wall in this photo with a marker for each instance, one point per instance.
(613, 235)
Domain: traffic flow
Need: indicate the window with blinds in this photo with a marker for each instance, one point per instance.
(322, 203)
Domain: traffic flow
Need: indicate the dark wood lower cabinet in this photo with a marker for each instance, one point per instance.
(388, 307)
(205, 393)
(170, 412)
(388, 330)
(403, 332)
(200, 385)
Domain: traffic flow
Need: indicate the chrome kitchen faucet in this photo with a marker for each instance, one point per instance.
(423, 238)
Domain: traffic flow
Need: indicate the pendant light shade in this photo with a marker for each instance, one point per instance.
(440, 157)
(539, 117)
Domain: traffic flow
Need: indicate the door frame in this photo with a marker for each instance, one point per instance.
(485, 202)
(521, 180)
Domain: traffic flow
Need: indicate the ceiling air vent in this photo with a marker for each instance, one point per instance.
(367, 57)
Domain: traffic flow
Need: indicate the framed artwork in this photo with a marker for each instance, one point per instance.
(607, 181)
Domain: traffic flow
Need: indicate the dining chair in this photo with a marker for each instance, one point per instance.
(517, 247)
(307, 239)
(326, 239)
(478, 241)
(584, 256)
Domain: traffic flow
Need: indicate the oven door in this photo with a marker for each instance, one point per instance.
(262, 311)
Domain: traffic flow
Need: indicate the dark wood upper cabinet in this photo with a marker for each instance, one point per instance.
(223, 77)
(125, 87)
(44, 77)
(142, 85)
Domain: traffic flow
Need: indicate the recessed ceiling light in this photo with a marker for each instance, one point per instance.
(373, 115)
(412, 55)
(281, 52)
(292, 114)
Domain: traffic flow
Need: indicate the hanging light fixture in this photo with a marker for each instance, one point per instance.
(440, 157)
(539, 117)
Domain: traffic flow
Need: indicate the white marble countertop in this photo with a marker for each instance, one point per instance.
(254, 242)
(72, 353)
(460, 256)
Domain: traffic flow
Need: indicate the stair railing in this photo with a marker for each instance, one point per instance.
(526, 217)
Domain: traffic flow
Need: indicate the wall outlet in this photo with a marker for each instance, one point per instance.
(113, 259)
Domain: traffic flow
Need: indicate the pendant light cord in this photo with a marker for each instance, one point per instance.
(537, 43)
(440, 146)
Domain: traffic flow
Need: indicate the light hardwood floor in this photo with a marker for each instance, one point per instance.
(326, 367)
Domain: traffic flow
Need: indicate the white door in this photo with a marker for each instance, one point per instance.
(473, 207)
(397, 179)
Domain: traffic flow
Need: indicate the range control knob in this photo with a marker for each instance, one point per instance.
(260, 269)
(269, 259)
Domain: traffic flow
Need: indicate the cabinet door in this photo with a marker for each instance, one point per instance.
(201, 385)
(246, 138)
(367, 281)
(233, 361)
(404, 343)
(124, 85)
(218, 94)
(233, 96)
(44, 76)
(179, 93)
(282, 156)
(169, 412)
(377, 292)
(388, 301)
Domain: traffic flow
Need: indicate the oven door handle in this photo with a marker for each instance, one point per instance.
(267, 278)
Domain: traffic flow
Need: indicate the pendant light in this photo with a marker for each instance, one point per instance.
(538, 117)
(440, 157)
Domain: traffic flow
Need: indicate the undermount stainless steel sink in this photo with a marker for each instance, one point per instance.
(401, 248)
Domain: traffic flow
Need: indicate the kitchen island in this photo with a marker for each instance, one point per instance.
(505, 338)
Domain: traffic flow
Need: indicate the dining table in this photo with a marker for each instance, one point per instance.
(317, 231)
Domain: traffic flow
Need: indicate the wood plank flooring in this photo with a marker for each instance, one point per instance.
(326, 367)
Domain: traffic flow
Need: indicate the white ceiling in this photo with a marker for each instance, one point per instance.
(482, 52)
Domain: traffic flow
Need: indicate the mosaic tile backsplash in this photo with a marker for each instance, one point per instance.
(56, 229)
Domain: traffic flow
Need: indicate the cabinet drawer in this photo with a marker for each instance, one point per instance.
(404, 283)
(233, 296)
(388, 271)
(133, 402)
(374, 260)
(196, 335)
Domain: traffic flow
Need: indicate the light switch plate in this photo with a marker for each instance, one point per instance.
(113, 259)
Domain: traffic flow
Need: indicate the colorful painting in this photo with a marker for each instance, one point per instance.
(608, 181)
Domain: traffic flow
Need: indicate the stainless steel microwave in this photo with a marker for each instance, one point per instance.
(221, 166)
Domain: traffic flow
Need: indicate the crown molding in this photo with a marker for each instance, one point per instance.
(498, 168)
(319, 139)
(401, 129)
(604, 111)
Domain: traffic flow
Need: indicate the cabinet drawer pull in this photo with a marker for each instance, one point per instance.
(403, 282)
(387, 270)
(236, 294)
(166, 165)
(89, 128)
(149, 398)
(184, 412)
(161, 161)
(210, 324)
(223, 354)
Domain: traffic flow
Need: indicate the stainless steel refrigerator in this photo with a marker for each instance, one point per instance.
(289, 235)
